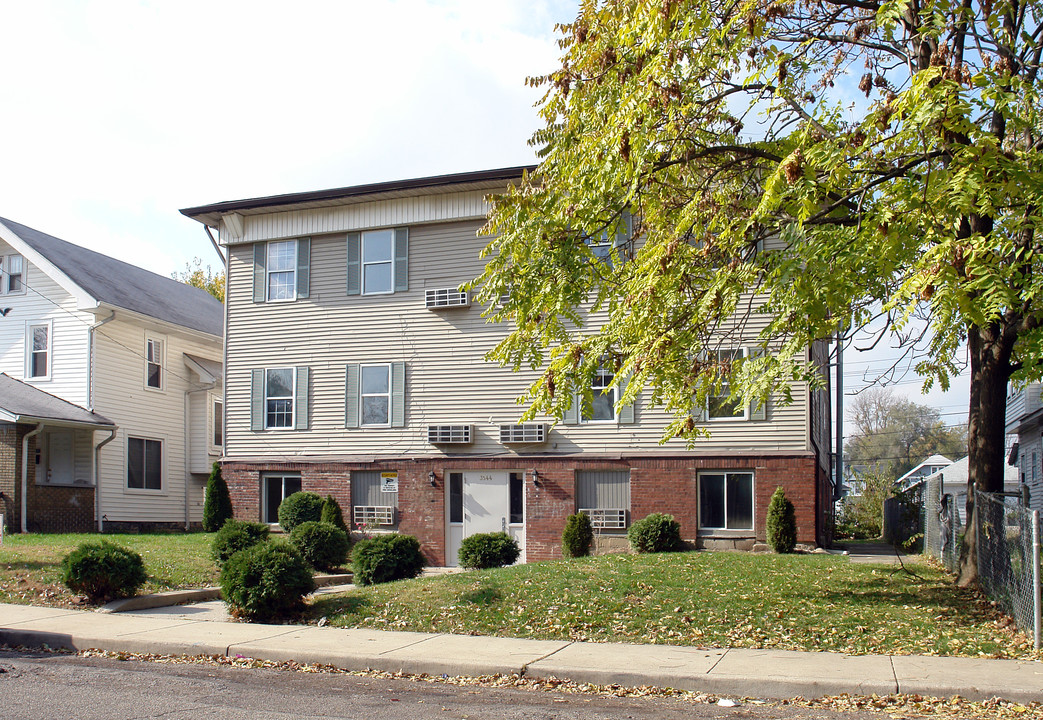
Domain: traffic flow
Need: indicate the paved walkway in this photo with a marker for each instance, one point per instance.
(735, 672)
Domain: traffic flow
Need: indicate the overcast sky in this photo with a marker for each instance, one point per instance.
(114, 114)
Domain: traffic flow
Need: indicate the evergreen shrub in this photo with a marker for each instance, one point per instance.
(782, 523)
(323, 545)
(103, 570)
(385, 558)
(266, 582)
(655, 533)
(217, 507)
(236, 535)
(578, 536)
(488, 550)
(331, 513)
(298, 508)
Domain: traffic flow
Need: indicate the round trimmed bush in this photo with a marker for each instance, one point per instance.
(266, 582)
(385, 558)
(236, 535)
(298, 508)
(578, 536)
(782, 523)
(488, 550)
(103, 570)
(655, 533)
(323, 545)
(332, 513)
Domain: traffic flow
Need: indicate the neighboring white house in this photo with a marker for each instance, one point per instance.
(1025, 419)
(140, 351)
(954, 482)
(356, 367)
(928, 467)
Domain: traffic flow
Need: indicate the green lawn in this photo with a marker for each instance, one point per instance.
(795, 602)
(29, 564)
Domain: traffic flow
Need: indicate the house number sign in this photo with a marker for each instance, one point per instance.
(389, 482)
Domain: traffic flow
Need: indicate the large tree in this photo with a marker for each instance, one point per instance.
(841, 160)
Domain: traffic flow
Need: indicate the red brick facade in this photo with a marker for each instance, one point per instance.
(657, 484)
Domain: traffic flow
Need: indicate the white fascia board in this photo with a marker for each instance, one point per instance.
(84, 300)
(160, 325)
(205, 376)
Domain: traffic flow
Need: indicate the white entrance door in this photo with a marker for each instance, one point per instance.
(478, 502)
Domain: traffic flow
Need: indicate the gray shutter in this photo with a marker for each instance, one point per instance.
(260, 258)
(571, 416)
(626, 412)
(354, 263)
(300, 410)
(351, 396)
(398, 394)
(303, 267)
(758, 409)
(257, 400)
(401, 259)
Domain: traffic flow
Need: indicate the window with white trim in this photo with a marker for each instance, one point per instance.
(12, 275)
(378, 262)
(375, 394)
(279, 384)
(144, 464)
(281, 270)
(38, 351)
(603, 402)
(217, 439)
(726, 501)
(721, 406)
(154, 363)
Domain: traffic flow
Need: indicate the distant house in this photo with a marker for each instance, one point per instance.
(954, 482)
(356, 367)
(928, 467)
(1025, 419)
(111, 400)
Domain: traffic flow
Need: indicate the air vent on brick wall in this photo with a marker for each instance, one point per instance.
(447, 298)
(524, 433)
(448, 434)
(606, 519)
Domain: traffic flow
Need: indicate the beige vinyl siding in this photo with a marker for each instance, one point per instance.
(382, 213)
(201, 431)
(448, 380)
(121, 396)
(46, 301)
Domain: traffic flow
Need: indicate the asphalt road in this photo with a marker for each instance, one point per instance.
(38, 686)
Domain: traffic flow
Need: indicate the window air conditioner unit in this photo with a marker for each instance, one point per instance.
(606, 519)
(372, 515)
(446, 298)
(523, 433)
(449, 434)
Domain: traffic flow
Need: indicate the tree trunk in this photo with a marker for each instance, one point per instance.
(990, 351)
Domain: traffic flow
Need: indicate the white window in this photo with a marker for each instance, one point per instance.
(144, 464)
(12, 275)
(726, 501)
(279, 386)
(720, 407)
(154, 363)
(38, 351)
(276, 489)
(281, 269)
(218, 437)
(603, 405)
(378, 262)
(375, 394)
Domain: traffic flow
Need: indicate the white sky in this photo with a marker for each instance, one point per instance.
(114, 114)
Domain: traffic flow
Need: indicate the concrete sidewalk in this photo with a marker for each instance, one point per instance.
(736, 672)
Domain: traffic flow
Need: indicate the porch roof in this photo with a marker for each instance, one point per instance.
(23, 403)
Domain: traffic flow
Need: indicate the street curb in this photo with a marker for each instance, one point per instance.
(180, 597)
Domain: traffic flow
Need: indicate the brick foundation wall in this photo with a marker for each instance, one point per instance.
(665, 484)
(10, 473)
(60, 508)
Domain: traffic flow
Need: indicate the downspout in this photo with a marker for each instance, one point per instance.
(188, 445)
(90, 360)
(217, 248)
(25, 473)
(97, 477)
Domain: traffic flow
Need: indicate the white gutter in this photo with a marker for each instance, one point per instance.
(90, 358)
(97, 478)
(188, 444)
(25, 473)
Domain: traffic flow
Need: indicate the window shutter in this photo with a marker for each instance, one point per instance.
(758, 409)
(300, 410)
(623, 233)
(401, 259)
(257, 400)
(351, 396)
(571, 416)
(354, 264)
(303, 267)
(398, 394)
(260, 256)
(626, 412)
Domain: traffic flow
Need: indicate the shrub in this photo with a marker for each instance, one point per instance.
(217, 507)
(385, 558)
(236, 535)
(655, 533)
(331, 513)
(103, 570)
(488, 550)
(324, 545)
(782, 523)
(298, 508)
(577, 536)
(266, 582)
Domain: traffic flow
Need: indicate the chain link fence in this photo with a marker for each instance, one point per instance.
(1008, 549)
